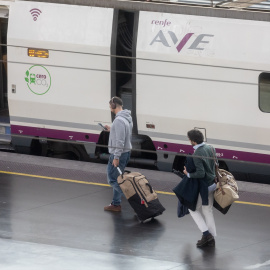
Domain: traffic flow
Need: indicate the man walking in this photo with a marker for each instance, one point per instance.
(119, 148)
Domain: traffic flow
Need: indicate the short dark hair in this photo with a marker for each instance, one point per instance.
(117, 101)
(196, 136)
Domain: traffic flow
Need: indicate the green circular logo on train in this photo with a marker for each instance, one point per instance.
(38, 79)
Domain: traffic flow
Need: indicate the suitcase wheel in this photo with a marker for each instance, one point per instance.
(148, 219)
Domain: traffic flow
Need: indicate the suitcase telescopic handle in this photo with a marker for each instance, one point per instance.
(119, 170)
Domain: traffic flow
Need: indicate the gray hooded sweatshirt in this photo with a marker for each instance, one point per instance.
(120, 134)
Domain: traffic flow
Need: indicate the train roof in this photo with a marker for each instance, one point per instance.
(238, 9)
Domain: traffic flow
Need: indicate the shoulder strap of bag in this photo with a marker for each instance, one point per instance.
(216, 162)
(218, 174)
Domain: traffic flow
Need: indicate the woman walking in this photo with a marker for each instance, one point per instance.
(205, 173)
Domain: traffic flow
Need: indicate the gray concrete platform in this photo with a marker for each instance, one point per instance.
(95, 172)
(50, 224)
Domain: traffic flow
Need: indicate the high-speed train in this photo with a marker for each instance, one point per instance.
(176, 67)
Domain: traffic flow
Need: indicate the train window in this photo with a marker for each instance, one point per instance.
(38, 53)
(264, 92)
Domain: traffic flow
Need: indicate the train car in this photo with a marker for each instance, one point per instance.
(176, 67)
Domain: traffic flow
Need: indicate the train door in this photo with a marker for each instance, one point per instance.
(123, 72)
(123, 62)
(122, 67)
(4, 113)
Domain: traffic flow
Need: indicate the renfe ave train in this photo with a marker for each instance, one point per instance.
(176, 67)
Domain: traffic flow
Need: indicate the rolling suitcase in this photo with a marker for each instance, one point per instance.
(140, 194)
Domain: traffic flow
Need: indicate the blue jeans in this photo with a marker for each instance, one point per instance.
(112, 174)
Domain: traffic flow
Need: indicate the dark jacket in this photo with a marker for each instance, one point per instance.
(189, 189)
(204, 163)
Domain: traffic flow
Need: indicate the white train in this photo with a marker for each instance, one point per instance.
(176, 67)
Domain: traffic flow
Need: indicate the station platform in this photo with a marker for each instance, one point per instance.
(52, 217)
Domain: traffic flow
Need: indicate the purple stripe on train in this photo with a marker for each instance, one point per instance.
(54, 134)
(170, 147)
(221, 153)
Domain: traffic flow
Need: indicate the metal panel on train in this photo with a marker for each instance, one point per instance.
(64, 82)
(203, 72)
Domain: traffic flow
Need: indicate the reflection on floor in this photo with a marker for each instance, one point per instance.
(48, 224)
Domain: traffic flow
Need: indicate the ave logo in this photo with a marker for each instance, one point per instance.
(197, 44)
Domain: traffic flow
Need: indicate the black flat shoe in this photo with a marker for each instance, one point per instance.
(207, 240)
(211, 243)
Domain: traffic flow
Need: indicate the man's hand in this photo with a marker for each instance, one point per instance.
(115, 162)
(185, 170)
(108, 128)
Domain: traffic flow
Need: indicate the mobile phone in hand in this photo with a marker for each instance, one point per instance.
(102, 126)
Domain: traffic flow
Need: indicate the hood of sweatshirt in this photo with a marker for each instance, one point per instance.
(126, 114)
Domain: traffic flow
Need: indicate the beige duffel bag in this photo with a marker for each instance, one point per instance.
(227, 190)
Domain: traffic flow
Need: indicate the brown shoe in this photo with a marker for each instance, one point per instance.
(113, 208)
(207, 240)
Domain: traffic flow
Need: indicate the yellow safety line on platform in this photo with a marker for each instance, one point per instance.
(107, 185)
(58, 179)
(259, 204)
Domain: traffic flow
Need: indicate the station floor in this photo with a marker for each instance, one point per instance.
(52, 217)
